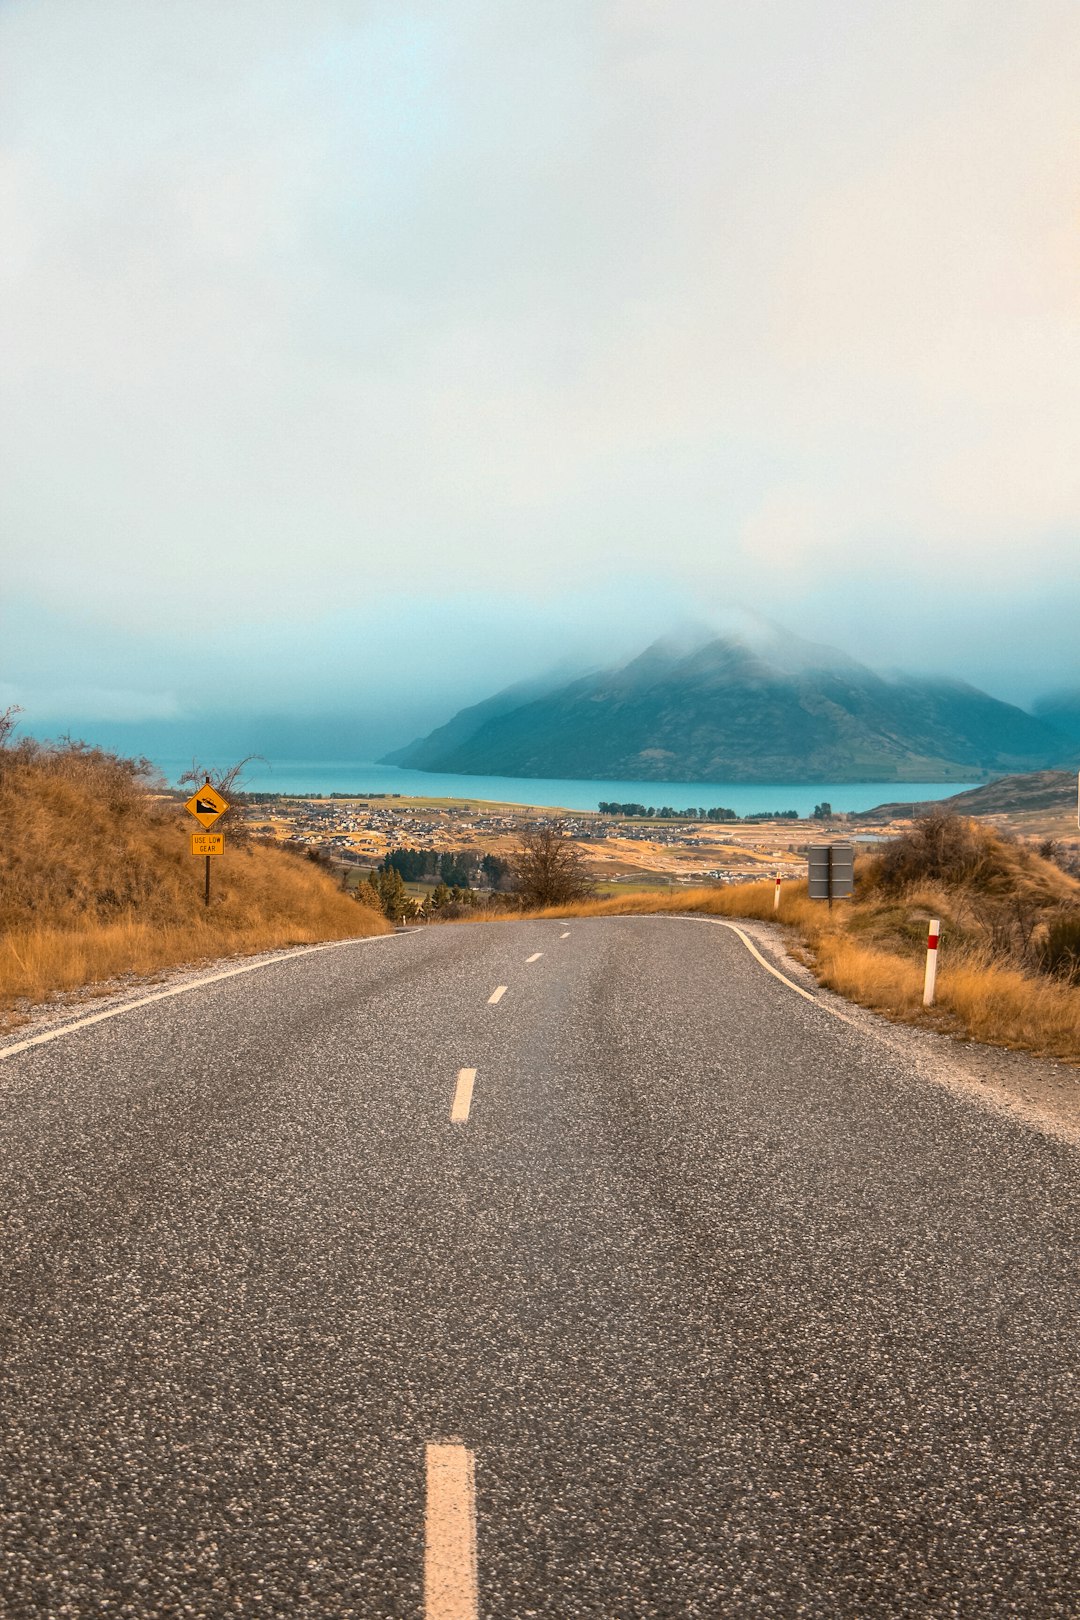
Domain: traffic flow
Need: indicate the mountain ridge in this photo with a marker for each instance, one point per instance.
(764, 708)
(1032, 791)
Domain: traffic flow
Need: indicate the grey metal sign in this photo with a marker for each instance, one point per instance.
(832, 871)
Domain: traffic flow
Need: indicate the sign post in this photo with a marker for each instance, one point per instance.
(776, 894)
(207, 806)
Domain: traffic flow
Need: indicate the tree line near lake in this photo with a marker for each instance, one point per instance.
(718, 812)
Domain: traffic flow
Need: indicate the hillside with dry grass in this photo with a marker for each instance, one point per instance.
(97, 880)
(1009, 969)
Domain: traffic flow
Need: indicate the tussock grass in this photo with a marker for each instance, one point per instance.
(97, 881)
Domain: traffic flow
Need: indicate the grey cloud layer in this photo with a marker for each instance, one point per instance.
(314, 308)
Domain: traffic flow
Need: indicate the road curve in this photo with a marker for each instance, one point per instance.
(346, 1288)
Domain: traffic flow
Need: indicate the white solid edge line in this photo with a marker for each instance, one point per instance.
(535, 957)
(497, 994)
(450, 1574)
(767, 965)
(817, 1001)
(183, 989)
(751, 947)
(463, 1091)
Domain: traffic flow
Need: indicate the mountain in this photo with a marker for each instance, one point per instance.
(467, 722)
(755, 705)
(1062, 711)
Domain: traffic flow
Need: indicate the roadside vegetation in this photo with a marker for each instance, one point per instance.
(547, 869)
(97, 881)
(1009, 970)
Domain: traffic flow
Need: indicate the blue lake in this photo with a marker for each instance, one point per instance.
(346, 776)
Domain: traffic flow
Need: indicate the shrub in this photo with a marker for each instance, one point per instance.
(549, 868)
(942, 848)
(1060, 953)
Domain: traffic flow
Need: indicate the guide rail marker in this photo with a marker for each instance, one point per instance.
(933, 939)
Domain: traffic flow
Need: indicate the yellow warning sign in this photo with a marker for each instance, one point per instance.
(207, 805)
(208, 843)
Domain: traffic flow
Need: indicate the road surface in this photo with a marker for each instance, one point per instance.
(349, 1286)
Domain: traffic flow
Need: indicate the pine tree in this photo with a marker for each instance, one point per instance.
(391, 892)
(368, 894)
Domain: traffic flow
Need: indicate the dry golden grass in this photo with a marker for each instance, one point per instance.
(1008, 1008)
(739, 900)
(97, 881)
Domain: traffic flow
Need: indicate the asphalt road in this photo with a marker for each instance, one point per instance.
(708, 1307)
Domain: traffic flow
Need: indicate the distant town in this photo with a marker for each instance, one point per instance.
(623, 845)
(643, 847)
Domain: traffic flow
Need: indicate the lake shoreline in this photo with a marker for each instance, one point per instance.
(360, 779)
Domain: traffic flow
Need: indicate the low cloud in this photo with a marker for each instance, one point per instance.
(323, 314)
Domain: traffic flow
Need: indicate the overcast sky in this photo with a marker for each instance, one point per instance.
(362, 357)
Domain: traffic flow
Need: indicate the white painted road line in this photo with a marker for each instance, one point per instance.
(535, 957)
(497, 994)
(450, 1584)
(754, 952)
(185, 989)
(566, 935)
(718, 922)
(459, 1113)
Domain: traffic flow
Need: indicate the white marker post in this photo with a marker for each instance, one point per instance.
(776, 894)
(931, 963)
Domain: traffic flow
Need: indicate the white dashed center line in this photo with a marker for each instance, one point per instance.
(459, 1113)
(450, 1585)
(497, 994)
(566, 935)
(535, 957)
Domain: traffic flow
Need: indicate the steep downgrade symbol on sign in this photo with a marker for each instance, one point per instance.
(207, 805)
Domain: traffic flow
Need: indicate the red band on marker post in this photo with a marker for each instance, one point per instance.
(930, 980)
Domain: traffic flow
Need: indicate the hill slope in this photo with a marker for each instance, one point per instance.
(1033, 790)
(769, 708)
(466, 723)
(97, 879)
(1062, 711)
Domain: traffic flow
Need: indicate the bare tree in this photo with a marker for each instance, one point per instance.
(229, 782)
(549, 867)
(228, 779)
(9, 719)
